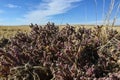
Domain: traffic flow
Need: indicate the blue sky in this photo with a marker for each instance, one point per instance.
(24, 12)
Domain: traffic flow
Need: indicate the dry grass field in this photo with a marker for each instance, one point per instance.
(9, 31)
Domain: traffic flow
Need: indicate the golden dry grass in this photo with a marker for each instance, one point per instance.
(9, 31)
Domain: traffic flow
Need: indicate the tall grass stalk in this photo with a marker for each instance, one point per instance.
(106, 22)
(107, 19)
(116, 15)
(86, 17)
(103, 9)
(96, 10)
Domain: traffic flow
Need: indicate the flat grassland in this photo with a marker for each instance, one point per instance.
(9, 31)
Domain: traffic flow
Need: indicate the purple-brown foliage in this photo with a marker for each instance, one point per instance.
(64, 54)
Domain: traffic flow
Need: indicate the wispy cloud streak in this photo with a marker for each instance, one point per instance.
(48, 8)
(12, 6)
(1, 11)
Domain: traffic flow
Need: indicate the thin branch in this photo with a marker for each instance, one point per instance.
(107, 20)
(96, 10)
(103, 9)
(116, 15)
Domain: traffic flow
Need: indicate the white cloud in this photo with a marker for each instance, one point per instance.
(1, 11)
(12, 6)
(48, 8)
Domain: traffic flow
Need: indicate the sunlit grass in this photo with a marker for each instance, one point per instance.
(9, 31)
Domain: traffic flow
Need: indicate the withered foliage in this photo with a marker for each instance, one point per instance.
(48, 53)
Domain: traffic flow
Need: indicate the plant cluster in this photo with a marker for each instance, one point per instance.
(48, 53)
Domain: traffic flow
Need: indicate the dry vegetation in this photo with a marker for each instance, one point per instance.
(52, 53)
(9, 31)
(67, 52)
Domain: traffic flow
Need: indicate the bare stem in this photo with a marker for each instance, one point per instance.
(96, 10)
